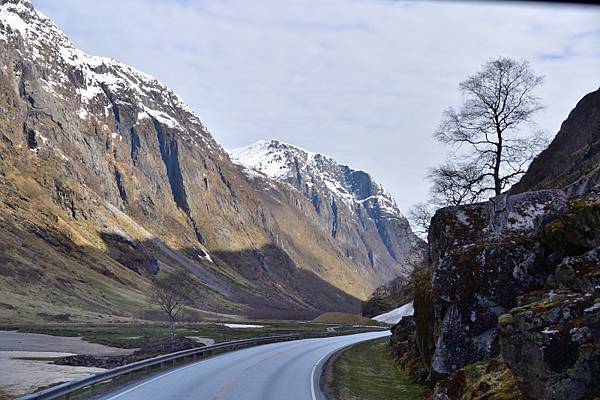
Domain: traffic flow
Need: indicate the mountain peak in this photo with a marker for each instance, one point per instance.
(99, 78)
(347, 200)
(312, 173)
(26, 3)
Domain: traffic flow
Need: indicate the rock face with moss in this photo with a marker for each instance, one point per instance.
(516, 280)
(551, 341)
(486, 255)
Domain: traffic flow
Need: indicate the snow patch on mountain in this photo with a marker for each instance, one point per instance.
(96, 77)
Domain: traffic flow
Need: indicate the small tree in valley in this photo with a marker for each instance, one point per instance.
(172, 292)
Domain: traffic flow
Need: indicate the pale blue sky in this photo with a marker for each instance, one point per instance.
(364, 81)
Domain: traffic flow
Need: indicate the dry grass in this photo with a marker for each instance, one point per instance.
(344, 319)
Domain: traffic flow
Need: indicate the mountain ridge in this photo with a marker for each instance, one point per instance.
(109, 178)
(337, 193)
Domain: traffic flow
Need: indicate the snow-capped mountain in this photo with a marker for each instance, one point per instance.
(312, 172)
(107, 177)
(95, 77)
(357, 209)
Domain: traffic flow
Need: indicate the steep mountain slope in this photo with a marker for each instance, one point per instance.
(573, 157)
(107, 178)
(359, 214)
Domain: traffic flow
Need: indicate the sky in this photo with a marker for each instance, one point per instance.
(363, 81)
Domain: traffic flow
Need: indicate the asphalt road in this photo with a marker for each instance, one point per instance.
(288, 370)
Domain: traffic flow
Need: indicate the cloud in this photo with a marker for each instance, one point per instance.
(365, 81)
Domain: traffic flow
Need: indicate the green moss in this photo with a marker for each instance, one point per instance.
(490, 380)
(474, 371)
(424, 317)
(573, 233)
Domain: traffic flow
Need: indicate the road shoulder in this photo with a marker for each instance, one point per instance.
(367, 371)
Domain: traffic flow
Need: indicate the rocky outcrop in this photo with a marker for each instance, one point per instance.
(551, 341)
(486, 255)
(516, 280)
(529, 261)
(515, 277)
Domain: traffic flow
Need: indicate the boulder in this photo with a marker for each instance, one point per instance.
(483, 257)
(551, 341)
(553, 346)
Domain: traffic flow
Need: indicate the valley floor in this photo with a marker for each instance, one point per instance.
(27, 351)
(26, 360)
(367, 371)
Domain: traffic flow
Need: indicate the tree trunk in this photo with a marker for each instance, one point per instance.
(171, 326)
(497, 180)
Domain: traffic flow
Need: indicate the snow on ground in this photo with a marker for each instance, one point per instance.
(21, 372)
(394, 316)
(204, 340)
(243, 326)
(26, 363)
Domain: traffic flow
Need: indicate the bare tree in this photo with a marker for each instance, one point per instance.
(171, 293)
(489, 151)
(420, 215)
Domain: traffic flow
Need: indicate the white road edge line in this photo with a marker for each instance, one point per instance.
(313, 384)
(312, 375)
(150, 380)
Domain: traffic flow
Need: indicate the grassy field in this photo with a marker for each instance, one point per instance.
(345, 319)
(368, 372)
(129, 335)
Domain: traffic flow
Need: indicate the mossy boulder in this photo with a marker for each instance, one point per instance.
(485, 380)
(553, 346)
(484, 256)
(576, 231)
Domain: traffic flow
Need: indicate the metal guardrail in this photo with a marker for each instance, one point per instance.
(64, 390)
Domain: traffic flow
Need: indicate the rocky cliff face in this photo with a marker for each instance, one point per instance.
(107, 177)
(359, 214)
(517, 277)
(485, 255)
(572, 161)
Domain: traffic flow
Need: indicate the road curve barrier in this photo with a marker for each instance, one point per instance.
(65, 390)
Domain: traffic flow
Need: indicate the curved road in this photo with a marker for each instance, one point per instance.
(287, 370)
